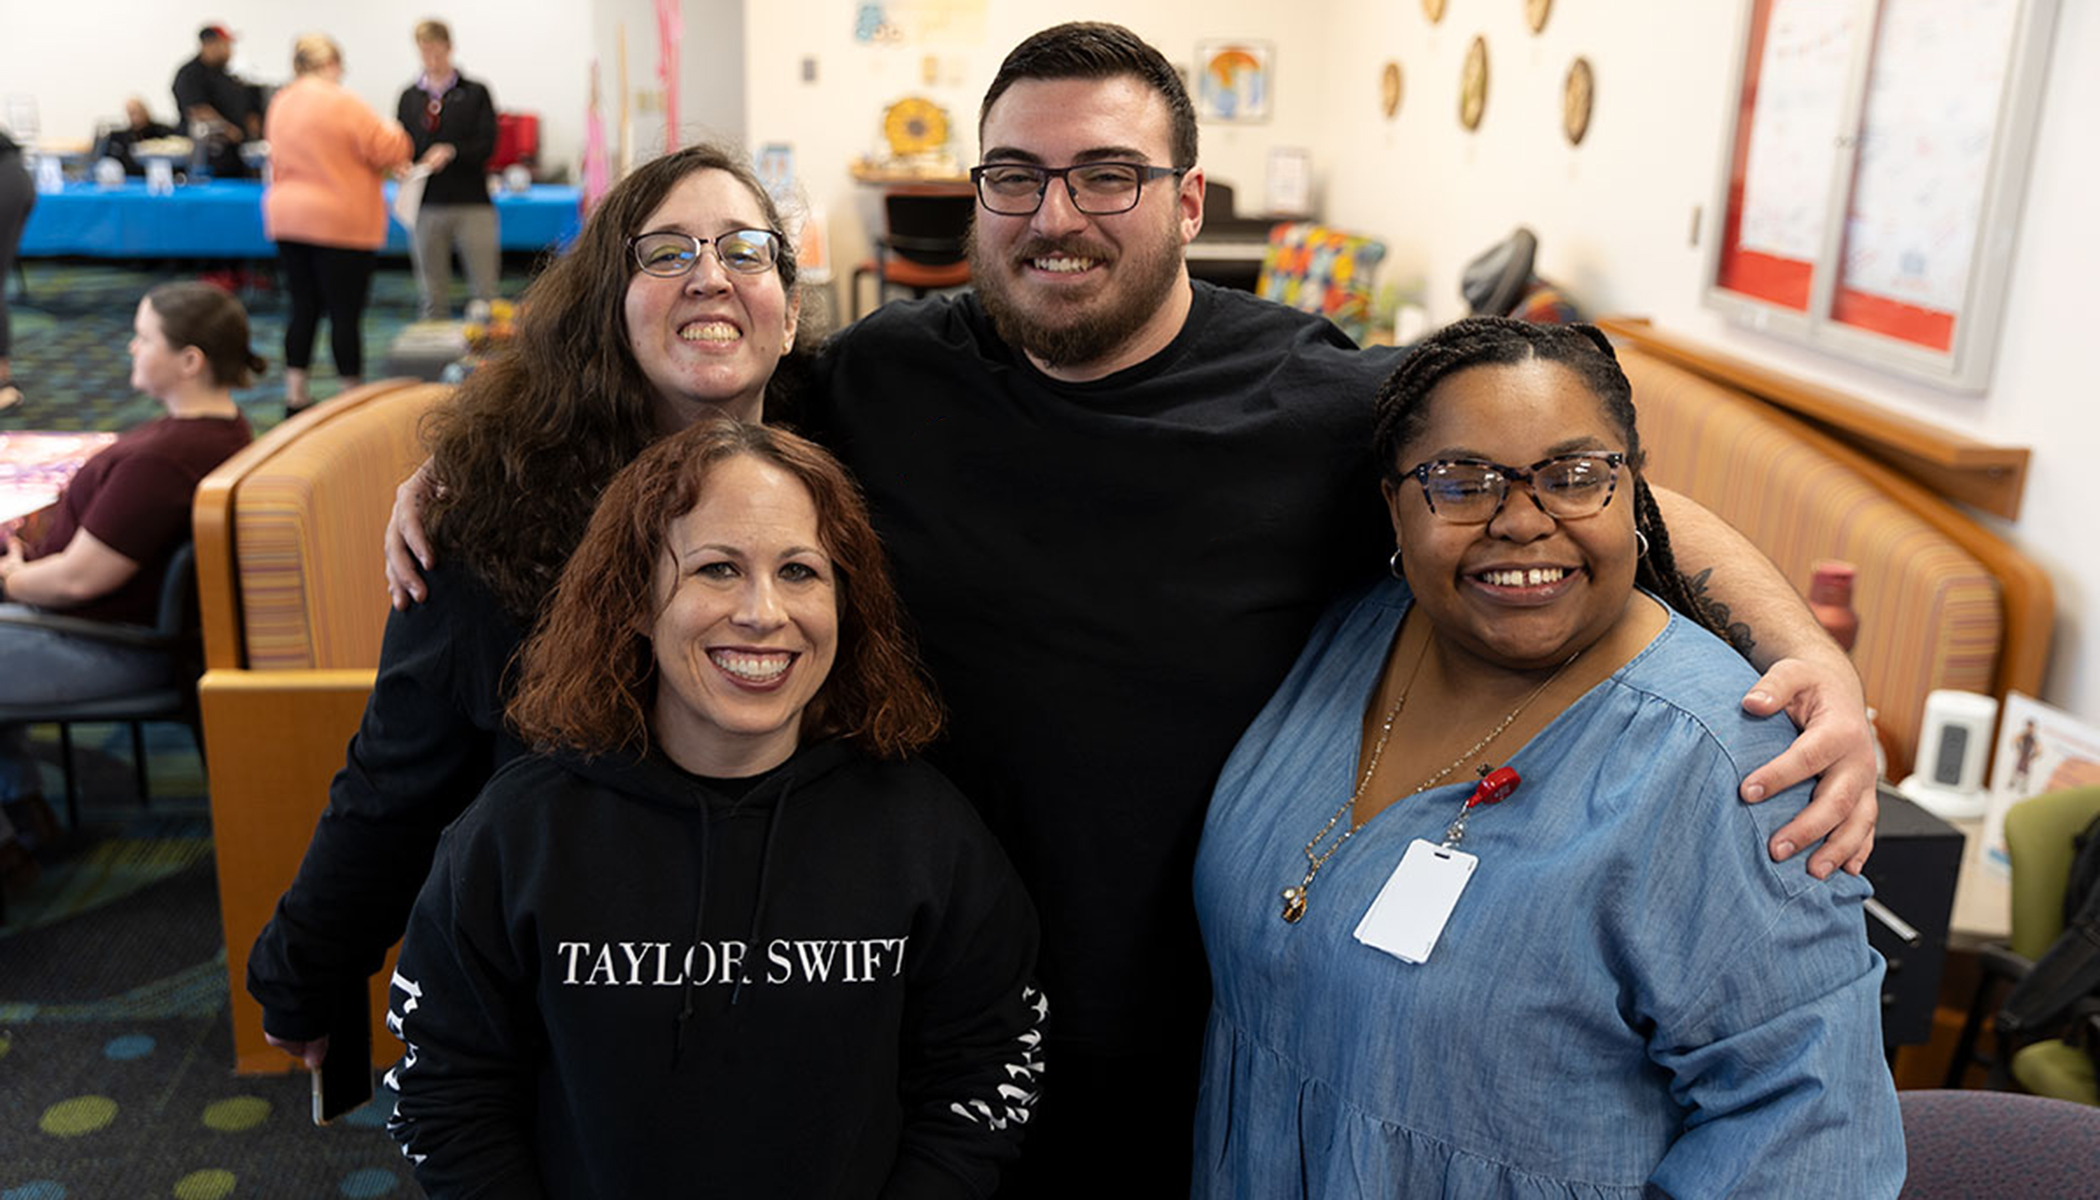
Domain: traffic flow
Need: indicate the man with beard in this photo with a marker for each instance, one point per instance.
(1117, 500)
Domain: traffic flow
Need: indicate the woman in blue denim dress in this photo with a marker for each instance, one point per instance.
(1562, 964)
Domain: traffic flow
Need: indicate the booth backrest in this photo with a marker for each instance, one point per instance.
(1933, 613)
(302, 512)
(293, 604)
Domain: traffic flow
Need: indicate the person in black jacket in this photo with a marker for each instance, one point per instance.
(17, 197)
(122, 142)
(452, 121)
(609, 357)
(211, 101)
(725, 936)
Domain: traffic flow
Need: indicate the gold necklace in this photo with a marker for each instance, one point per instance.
(1294, 896)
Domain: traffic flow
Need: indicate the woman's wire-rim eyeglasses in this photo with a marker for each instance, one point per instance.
(668, 253)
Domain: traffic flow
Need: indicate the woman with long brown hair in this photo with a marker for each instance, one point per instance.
(676, 303)
(724, 928)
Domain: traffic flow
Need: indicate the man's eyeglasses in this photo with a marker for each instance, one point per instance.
(1472, 491)
(1098, 189)
(669, 254)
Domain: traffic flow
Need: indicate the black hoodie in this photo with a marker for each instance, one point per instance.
(620, 981)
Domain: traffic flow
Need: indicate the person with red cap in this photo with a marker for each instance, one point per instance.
(207, 93)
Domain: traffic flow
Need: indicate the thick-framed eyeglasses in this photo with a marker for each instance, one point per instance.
(1472, 491)
(669, 254)
(1098, 189)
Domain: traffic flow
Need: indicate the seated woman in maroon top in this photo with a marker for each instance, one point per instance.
(100, 551)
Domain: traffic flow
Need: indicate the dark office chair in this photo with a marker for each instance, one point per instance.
(924, 247)
(174, 633)
(2038, 839)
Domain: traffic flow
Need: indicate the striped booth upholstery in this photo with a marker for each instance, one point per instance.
(1320, 270)
(294, 603)
(1931, 613)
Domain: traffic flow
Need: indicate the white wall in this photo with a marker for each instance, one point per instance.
(1614, 216)
(81, 58)
(838, 117)
(710, 73)
(1614, 219)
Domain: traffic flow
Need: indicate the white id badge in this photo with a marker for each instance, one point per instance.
(1409, 914)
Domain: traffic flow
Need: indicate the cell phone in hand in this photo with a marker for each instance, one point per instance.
(343, 1081)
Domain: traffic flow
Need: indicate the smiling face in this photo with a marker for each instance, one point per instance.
(1086, 295)
(708, 340)
(746, 621)
(158, 368)
(1523, 591)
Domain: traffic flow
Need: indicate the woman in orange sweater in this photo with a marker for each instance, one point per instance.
(328, 154)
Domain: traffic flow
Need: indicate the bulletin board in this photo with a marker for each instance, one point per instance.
(1872, 180)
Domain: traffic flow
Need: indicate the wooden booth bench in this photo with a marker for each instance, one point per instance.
(1942, 601)
(293, 603)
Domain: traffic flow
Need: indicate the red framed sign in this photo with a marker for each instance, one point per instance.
(1871, 183)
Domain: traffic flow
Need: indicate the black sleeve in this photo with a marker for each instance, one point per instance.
(429, 739)
(478, 144)
(973, 1032)
(189, 91)
(410, 113)
(461, 1003)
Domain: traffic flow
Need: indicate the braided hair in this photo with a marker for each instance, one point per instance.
(1403, 410)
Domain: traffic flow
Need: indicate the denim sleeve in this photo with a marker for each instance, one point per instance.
(1773, 1043)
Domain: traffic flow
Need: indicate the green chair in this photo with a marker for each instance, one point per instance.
(2038, 835)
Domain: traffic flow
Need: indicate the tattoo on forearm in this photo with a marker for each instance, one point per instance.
(1738, 631)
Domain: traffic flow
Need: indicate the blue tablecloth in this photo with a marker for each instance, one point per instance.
(223, 219)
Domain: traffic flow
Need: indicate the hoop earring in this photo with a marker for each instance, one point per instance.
(1392, 566)
(1640, 541)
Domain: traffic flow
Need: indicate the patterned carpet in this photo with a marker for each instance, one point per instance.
(115, 1047)
(114, 1041)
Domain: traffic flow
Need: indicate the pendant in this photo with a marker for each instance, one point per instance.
(1293, 904)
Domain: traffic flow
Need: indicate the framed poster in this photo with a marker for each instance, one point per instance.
(1234, 80)
(2040, 749)
(1871, 186)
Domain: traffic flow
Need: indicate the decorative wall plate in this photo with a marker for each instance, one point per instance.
(1536, 12)
(1473, 84)
(1576, 92)
(1389, 90)
(915, 125)
(1434, 10)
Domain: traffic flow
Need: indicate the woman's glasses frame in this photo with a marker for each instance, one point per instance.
(752, 251)
(1498, 478)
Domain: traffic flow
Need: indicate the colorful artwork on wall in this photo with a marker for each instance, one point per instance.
(1234, 80)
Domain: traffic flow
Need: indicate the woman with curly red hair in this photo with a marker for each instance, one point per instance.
(721, 925)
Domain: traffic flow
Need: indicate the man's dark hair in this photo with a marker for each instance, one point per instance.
(1097, 50)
